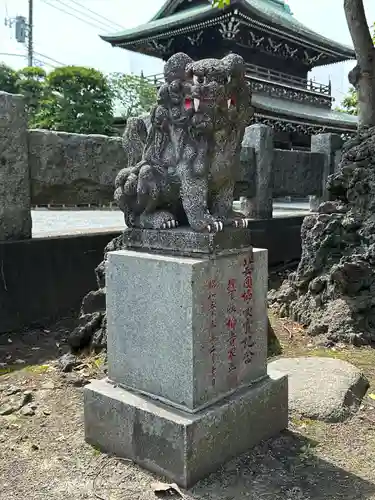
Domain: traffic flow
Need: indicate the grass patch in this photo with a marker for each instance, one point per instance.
(38, 369)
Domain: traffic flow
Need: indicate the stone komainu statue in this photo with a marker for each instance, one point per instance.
(190, 161)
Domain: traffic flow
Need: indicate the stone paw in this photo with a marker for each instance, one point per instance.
(241, 223)
(171, 224)
(215, 227)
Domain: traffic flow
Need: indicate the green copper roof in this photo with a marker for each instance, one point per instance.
(305, 112)
(155, 25)
(282, 4)
(273, 13)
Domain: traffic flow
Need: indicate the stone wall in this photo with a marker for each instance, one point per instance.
(73, 169)
(39, 167)
(297, 173)
(15, 216)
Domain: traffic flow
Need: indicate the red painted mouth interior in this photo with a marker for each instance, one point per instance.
(188, 103)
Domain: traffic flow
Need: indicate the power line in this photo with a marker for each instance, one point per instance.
(111, 23)
(86, 15)
(50, 58)
(96, 26)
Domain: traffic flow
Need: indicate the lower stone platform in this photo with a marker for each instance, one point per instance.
(182, 446)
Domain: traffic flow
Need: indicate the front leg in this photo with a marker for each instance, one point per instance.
(222, 206)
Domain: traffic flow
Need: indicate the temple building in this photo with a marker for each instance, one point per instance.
(279, 52)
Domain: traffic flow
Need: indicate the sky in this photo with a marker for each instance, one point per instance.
(67, 32)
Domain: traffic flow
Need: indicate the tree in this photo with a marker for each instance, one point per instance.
(350, 101)
(79, 100)
(32, 84)
(8, 79)
(362, 77)
(135, 93)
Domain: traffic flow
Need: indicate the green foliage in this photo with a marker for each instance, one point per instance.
(135, 93)
(8, 79)
(349, 103)
(220, 3)
(78, 100)
(32, 84)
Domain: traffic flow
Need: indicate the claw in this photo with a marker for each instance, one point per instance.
(209, 228)
(177, 224)
(173, 223)
(221, 226)
(245, 223)
(164, 225)
(169, 224)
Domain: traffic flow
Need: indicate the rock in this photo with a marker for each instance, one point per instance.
(12, 390)
(25, 399)
(83, 335)
(94, 302)
(332, 292)
(76, 380)
(324, 389)
(27, 411)
(92, 328)
(48, 385)
(67, 362)
(7, 410)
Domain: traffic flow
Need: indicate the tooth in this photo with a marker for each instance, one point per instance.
(229, 101)
(196, 104)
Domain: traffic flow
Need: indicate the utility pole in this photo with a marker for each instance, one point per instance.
(24, 31)
(30, 47)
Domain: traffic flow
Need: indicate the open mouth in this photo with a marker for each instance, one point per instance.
(190, 103)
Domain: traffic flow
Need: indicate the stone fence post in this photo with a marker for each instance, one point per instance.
(330, 145)
(15, 202)
(260, 137)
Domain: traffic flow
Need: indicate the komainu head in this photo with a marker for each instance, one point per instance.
(206, 94)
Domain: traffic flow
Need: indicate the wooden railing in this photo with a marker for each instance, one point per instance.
(254, 71)
(261, 73)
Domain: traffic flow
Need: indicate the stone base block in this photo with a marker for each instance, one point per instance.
(182, 446)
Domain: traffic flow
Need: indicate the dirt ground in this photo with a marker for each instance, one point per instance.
(43, 455)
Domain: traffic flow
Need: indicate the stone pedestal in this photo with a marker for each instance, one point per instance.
(187, 345)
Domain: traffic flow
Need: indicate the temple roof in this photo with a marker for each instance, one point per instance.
(179, 16)
(303, 112)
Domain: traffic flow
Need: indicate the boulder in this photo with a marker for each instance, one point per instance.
(321, 388)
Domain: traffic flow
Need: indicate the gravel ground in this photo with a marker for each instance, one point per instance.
(44, 456)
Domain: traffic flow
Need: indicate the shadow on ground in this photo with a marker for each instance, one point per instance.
(285, 468)
(34, 345)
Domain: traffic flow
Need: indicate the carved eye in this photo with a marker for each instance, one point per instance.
(199, 79)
